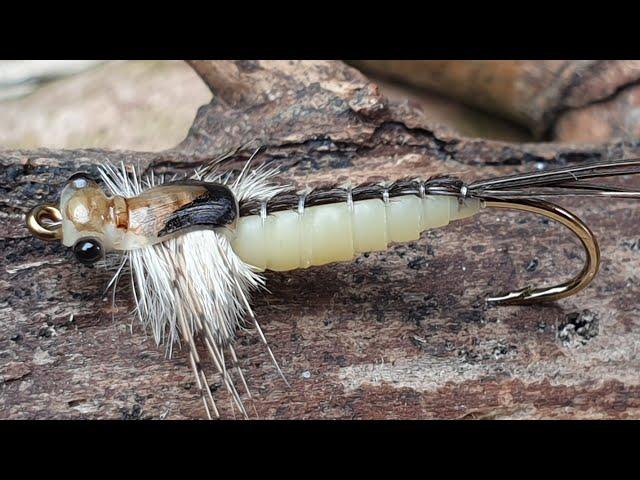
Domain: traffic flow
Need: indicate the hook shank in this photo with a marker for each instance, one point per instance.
(530, 294)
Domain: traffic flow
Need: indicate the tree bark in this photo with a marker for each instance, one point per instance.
(565, 100)
(398, 334)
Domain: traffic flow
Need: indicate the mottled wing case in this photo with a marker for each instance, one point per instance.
(172, 207)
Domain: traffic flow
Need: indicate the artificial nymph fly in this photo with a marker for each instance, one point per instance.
(196, 247)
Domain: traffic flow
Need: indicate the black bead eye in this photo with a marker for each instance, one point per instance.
(88, 251)
(80, 179)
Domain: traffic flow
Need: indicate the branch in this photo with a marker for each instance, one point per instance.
(571, 100)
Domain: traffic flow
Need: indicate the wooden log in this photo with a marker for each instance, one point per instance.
(583, 101)
(398, 334)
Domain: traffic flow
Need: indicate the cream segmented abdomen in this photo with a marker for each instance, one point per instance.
(334, 232)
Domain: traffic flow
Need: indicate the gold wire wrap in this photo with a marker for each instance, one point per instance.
(530, 294)
(45, 232)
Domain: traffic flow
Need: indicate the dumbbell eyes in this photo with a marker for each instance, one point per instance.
(80, 179)
(88, 251)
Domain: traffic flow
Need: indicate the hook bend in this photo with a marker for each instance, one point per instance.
(531, 294)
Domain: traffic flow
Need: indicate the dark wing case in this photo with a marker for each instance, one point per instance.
(179, 206)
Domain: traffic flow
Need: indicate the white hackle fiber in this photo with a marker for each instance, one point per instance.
(194, 286)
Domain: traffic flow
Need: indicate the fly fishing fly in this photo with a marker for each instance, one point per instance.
(195, 248)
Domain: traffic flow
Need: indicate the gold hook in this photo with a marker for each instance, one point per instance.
(50, 232)
(530, 294)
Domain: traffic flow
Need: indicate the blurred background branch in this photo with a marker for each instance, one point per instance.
(150, 105)
(559, 100)
(130, 105)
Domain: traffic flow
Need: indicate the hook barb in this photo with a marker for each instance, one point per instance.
(558, 214)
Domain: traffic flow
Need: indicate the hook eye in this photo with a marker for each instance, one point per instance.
(44, 221)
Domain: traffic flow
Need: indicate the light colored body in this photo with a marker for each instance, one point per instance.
(287, 240)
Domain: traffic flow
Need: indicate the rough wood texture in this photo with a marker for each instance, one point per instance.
(566, 100)
(399, 334)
